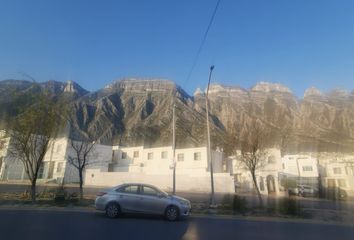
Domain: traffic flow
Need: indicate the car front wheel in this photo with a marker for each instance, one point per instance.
(112, 210)
(172, 213)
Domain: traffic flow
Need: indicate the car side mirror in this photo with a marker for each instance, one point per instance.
(161, 195)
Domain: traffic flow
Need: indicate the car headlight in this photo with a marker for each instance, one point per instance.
(184, 203)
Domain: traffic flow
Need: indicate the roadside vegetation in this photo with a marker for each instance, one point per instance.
(51, 197)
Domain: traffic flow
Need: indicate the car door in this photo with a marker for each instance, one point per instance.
(129, 198)
(152, 201)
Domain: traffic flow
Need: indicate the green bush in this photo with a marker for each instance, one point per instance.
(239, 204)
(234, 202)
(60, 194)
(289, 206)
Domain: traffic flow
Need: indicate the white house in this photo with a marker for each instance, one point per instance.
(267, 175)
(55, 167)
(155, 166)
(300, 169)
(4, 142)
(339, 175)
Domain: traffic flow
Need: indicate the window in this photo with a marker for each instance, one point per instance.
(180, 157)
(283, 166)
(261, 183)
(337, 170)
(2, 144)
(164, 154)
(271, 159)
(41, 171)
(197, 156)
(131, 189)
(342, 183)
(150, 156)
(124, 155)
(307, 168)
(136, 154)
(149, 191)
(59, 167)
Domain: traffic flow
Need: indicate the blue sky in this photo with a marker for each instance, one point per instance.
(297, 43)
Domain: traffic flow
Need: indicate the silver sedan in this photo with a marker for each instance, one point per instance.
(141, 198)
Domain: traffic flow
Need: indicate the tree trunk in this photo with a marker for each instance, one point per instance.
(257, 189)
(33, 191)
(81, 183)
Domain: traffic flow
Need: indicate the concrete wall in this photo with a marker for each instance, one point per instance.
(223, 182)
(159, 165)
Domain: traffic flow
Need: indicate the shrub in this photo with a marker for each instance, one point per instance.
(234, 202)
(239, 204)
(60, 194)
(289, 206)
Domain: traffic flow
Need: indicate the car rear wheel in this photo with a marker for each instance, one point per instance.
(112, 210)
(172, 213)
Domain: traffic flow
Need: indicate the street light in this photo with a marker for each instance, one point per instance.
(212, 200)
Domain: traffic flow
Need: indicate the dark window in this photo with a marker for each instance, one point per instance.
(337, 170)
(132, 189)
(124, 155)
(180, 157)
(307, 168)
(164, 154)
(149, 191)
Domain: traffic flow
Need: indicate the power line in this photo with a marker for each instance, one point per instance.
(203, 41)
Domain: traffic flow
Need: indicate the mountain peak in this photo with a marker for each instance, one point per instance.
(220, 88)
(312, 92)
(198, 92)
(270, 87)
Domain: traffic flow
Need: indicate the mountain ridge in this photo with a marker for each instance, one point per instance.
(139, 111)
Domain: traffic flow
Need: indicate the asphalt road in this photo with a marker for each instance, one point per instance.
(32, 224)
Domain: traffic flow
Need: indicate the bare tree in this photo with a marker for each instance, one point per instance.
(82, 151)
(286, 133)
(253, 152)
(31, 135)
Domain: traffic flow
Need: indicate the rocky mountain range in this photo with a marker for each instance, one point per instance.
(136, 111)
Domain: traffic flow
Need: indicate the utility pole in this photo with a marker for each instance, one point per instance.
(212, 200)
(174, 147)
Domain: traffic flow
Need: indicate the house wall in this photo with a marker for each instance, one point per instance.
(55, 165)
(267, 176)
(300, 166)
(163, 166)
(223, 182)
(333, 178)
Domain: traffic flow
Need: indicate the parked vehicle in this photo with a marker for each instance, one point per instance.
(336, 193)
(293, 191)
(303, 191)
(141, 198)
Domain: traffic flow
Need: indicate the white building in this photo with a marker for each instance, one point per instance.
(339, 175)
(55, 167)
(267, 175)
(155, 166)
(4, 142)
(300, 169)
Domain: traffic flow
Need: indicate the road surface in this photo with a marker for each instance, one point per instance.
(43, 224)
